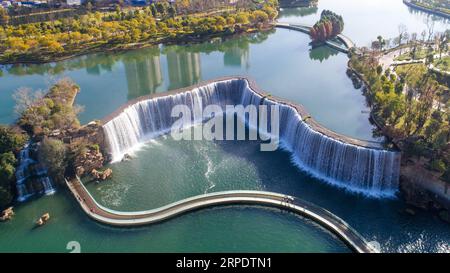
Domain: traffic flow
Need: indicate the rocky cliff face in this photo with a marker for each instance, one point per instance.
(88, 146)
(88, 161)
(421, 190)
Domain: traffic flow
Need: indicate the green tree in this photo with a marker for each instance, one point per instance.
(7, 170)
(11, 141)
(381, 42)
(89, 6)
(4, 17)
(52, 153)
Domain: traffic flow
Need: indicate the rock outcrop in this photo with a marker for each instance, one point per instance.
(421, 189)
(90, 140)
(102, 175)
(7, 214)
(91, 160)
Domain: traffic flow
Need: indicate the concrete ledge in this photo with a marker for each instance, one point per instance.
(253, 86)
(126, 219)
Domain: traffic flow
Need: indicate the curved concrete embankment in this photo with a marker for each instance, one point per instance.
(255, 88)
(126, 219)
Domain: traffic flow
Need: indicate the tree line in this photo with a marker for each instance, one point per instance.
(412, 104)
(121, 28)
(11, 141)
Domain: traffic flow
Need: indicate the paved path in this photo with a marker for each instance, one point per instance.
(321, 216)
(388, 60)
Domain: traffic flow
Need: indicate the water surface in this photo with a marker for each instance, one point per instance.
(283, 64)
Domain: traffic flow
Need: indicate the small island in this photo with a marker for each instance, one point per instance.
(328, 27)
(47, 143)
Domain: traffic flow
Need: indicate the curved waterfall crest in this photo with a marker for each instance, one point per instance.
(356, 165)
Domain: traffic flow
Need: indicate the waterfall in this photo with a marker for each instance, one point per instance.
(372, 171)
(23, 173)
(29, 176)
(47, 184)
(150, 118)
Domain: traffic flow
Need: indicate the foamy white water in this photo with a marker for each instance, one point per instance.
(373, 172)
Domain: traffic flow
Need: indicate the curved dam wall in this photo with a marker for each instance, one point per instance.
(356, 165)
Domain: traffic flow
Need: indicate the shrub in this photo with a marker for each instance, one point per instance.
(11, 141)
(437, 165)
(52, 153)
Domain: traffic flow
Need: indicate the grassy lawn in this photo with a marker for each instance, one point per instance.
(420, 54)
(443, 64)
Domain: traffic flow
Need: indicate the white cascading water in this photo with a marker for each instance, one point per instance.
(29, 168)
(374, 172)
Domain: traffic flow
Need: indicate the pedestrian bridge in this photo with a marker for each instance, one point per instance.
(127, 219)
(345, 47)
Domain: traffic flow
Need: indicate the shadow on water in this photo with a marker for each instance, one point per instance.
(322, 53)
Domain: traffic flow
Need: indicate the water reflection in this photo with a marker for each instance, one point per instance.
(237, 55)
(428, 15)
(300, 11)
(94, 64)
(143, 72)
(184, 69)
(322, 53)
(279, 60)
(143, 68)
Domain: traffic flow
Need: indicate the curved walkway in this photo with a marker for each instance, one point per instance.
(125, 219)
(347, 43)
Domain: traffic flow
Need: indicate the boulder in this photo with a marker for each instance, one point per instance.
(106, 174)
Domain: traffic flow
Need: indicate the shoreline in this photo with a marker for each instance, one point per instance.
(136, 46)
(417, 189)
(425, 9)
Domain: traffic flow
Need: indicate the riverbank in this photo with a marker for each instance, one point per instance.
(419, 186)
(424, 8)
(109, 48)
(124, 30)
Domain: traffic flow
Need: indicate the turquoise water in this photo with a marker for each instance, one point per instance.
(198, 167)
(280, 61)
(164, 171)
(365, 20)
(221, 229)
